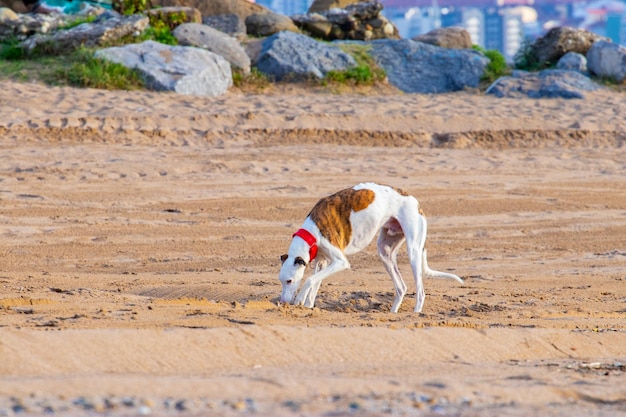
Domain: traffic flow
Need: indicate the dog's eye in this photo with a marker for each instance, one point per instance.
(299, 261)
(283, 258)
(288, 282)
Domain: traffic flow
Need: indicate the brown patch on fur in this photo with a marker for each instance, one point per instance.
(332, 214)
(401, 191)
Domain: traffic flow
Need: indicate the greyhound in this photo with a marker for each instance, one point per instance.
(345, 223)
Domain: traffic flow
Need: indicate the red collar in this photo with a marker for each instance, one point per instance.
(310, 240)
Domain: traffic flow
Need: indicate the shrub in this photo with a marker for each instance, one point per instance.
(497, 66)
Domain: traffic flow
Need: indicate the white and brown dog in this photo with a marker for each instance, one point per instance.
(345, 223)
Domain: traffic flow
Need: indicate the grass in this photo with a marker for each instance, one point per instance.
(497, 66)
(366, 73)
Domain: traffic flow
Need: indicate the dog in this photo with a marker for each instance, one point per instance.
(346, 223)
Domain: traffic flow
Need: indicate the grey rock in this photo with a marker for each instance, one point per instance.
(416, 67)
(573, 61)
(267, 24)
(230, 24)
(203, 36)
(606, 59)
(185, 70)
(288, 54)
(88, 34)
(450, 37)
(550, 83)
(548, 49)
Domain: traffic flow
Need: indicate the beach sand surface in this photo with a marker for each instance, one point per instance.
(142, 233)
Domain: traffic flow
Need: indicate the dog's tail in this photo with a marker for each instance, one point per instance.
(431, 273)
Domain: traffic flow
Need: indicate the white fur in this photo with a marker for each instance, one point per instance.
(382, 216)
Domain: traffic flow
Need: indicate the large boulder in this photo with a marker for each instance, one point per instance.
(450, 37)
(202, 36)
(230, 24)
(550, 83)
(15, 5)
(608, 60)
(547, 49)
(288, 55)
(361, 21)
(416, 67)
(267, 24)
(93, 34)
(323, 5)
(242, 8)
(185, 70)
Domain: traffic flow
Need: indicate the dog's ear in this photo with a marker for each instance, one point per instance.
(283, 258)
(299, 261)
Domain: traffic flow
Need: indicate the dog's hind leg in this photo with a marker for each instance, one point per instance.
(388, 245)
(414, 227)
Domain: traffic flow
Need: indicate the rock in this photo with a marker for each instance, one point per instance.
(185, 70)
(88, 34)
(7, 14)
(27, 25)
(548, 49)
(242, 8)
(202, 36)
(360, 21)
(288, 54)
(267, 24)
(416, 67)
(606, 59)
(550, 83)
(573, 61)
(174, 16)
(230, 24)
(323, 5)
(450, 37)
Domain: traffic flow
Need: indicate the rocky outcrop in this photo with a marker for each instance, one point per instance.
(607, 60)
(451, 37)
(548, 49)
(550, 83)
(202, 36)
(360, 21)
(87, 34)
(230, 24)
(292, 56)
(416, 67)
(267, 24)
(241, 8)
(323, 5)
(185, 70)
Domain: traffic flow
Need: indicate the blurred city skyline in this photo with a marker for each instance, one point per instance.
(493, 24)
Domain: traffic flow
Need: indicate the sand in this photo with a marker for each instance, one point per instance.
(141, 235)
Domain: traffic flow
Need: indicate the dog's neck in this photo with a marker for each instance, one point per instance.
(310, 240)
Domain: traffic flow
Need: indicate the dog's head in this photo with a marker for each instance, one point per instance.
(291, 274)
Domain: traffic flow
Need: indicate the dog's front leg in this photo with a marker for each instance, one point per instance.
(307, 294)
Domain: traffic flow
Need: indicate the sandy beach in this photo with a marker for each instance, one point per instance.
(142, 231)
